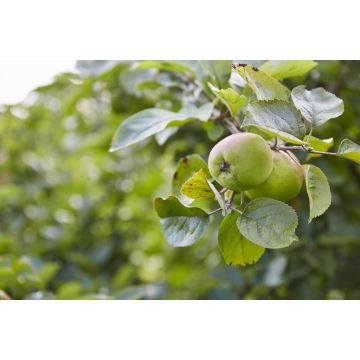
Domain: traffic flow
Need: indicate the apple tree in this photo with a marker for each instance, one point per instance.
(253, 173)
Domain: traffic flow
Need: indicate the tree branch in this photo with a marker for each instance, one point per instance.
(214, 211)
(303, 148)
(230, 201)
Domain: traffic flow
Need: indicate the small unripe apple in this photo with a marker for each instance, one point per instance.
(285, 180)
(241, 161)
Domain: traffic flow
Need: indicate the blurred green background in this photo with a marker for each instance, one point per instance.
(77, 222)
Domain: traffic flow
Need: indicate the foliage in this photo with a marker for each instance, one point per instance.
(78, 221)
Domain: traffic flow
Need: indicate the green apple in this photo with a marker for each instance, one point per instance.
(285, 180)
(241, 161)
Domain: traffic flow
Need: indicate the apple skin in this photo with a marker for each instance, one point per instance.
(285, 180)
(241, 161)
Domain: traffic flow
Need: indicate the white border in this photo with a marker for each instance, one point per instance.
(179, 330)
(232, 29)
(190, 29)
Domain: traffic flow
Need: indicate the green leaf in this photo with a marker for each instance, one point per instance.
(318, 190)
(282, 69)
(235, 248)
(202, 113)
(187, 167)
(317, 106)
(197, 187)
(269, 223)
(151, 121)
(181, 225)
(277, 118)
(349, 150)
(230, 98)
(165, 66)
(93, 68)
(218, 71)
(214, 131)
(319, 145)
(162, 136)
(264, 86)
(142, 125)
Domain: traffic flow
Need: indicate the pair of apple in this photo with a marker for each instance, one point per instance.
(245, 162)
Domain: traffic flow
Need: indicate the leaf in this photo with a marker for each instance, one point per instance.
(165, 66)
(218, 71)
(319, 145)
(151, 121)
(181, 225)
(282, 69)
(264, 86)
(276, 117)
(317, 106)
(349, 150)
(213, 130)
(235, 248)
(130, 80)
(230, 98)
(269, 223)
(162, 136)
(92, 68)
(187, 167)
(202, 113)
(197, 187)
(318, 190)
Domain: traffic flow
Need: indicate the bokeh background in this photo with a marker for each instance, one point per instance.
(77, 222)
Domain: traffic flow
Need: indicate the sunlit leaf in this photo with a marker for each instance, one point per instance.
(230, 98)
(318, 144)
(187, 167)
(282, 69)
(197, 187)
(235, 248)
(265, 86)
(318, 190)
(349, 150)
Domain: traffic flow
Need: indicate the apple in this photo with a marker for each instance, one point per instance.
(285, 180)
(241, 161)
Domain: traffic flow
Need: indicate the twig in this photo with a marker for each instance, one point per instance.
(303, 148)
(214, 211)
(236, 210)
(233, 129)
(229, 202)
